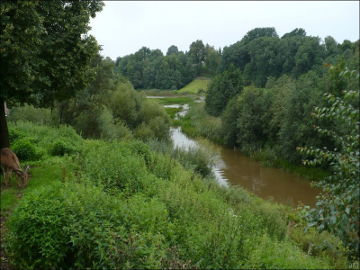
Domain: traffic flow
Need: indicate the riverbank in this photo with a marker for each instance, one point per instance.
(147, 211)
(198, 124)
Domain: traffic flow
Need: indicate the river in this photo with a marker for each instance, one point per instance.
(234, 168)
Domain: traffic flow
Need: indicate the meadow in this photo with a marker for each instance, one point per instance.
(197, 86)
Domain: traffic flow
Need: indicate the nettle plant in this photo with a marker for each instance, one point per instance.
(337, 207)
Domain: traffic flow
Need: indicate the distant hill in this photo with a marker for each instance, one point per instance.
(199, 83)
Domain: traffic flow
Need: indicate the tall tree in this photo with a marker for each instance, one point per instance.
(45, 52)
(172, 50)
(223, 87)
(197, 55)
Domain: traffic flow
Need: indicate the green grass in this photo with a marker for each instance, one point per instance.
(8, 200)
(174, 100)
(200, 83)
(41, 175)
(172, 112)
(159, 92)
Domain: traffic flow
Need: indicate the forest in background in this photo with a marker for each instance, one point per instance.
(260, 54)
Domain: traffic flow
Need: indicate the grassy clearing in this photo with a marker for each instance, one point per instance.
(159, 92)
(174, 100)
(199, 84)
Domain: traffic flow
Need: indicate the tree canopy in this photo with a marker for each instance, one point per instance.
(46, 52)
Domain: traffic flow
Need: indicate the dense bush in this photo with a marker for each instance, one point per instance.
(29, 113)
(75, 226)
(196, 159)
(31, 141)
(113, 166)
(198, 123)
(111, 109)
(25, 149)
(60, 148)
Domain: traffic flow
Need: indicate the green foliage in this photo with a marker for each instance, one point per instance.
(111, 129)
(197, 160)
(60, 148)
(75, 226)
(7, 200)
(337, 209)
(253, 118)
(30, 141)
(324, 244)
(115, 169)
(262, 54)
(111, 109)
(270, 254)
(125, 206)
(26, 150)
(29, 113)
(148, 69)
(198, 123)
(42, 63)
(222, 88)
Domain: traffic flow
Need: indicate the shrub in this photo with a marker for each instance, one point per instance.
(144, 132)
(60, 148)
(15, 134)
(113, 166)
(195, 159)
(111, 129)
(266, 253)
(26, 150)
(77, 227)
(45, 137)
(29, 113)
(316, 244)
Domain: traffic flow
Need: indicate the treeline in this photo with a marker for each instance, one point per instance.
(147, 69)
(278, 115)
(260, 54)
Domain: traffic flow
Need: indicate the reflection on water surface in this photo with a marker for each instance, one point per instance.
(237, 169)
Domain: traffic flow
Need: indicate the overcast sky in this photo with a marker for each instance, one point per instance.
(123, 27)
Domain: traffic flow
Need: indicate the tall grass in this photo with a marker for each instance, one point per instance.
(124, 205)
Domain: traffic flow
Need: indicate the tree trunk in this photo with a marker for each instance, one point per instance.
(4, 132)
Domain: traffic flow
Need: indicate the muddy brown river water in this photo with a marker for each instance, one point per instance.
(231, 167)
(234, 168)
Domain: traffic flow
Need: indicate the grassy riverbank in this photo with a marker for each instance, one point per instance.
(121, 204)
